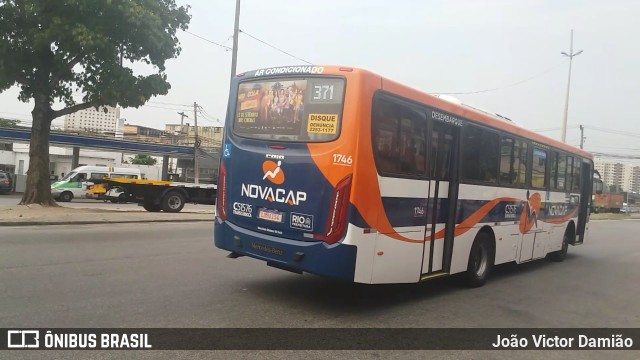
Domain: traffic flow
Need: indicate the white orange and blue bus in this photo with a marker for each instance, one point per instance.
(340, 172)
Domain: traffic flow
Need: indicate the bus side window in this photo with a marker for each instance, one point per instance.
(576, 175)
(538, 174)
(398, 139)
(553, 178)
(562, 172)
(480, 155)
(569, 178)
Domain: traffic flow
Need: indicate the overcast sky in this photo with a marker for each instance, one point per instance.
(435, 46)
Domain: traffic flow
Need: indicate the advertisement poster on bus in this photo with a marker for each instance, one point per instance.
(275, 107)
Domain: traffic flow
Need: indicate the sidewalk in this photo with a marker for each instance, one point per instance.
(26, 215)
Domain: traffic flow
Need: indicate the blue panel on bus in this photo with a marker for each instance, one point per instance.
(277, 191)
(337, 260)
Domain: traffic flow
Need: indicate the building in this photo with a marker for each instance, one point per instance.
(103, 120)
(210, 136)
(632, 178)
(147, 134)
(626, 177)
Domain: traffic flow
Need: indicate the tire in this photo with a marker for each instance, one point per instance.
(114, 201)
(151, 207)
(172, 202)
(481, 259)
(66, 196)
(560, 255)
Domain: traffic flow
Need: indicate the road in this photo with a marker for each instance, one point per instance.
(170, 275)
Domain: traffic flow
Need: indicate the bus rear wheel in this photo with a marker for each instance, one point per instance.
(481, 260)
(560, 255)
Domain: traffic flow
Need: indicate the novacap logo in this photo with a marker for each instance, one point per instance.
(273, 172)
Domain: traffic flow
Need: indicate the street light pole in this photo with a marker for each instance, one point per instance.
(234, 51)
(570, 55)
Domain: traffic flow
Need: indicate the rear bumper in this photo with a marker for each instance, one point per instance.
(336, 261)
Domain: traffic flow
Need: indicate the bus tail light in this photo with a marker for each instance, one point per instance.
(337, 220)
(221, 201)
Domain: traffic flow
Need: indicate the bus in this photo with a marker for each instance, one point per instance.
(343, 173)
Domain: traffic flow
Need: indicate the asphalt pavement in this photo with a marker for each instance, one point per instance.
(171, 275)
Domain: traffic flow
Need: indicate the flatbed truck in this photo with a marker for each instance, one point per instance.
(154, 195)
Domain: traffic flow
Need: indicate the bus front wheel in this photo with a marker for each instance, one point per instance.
(481, 260)
(561, 254)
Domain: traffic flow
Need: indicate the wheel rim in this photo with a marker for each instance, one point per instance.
(174, 202)
(480, 260)
(565, 244)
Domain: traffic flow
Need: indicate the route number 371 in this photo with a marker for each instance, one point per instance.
(342, 159)
(323, 92)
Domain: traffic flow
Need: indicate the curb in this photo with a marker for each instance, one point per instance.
(94, 222)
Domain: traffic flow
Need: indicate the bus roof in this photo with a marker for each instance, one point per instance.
(466, 111)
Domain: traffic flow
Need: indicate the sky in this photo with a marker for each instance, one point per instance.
(512, 48)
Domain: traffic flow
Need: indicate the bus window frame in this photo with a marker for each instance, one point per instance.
(234, 109)
(462, 180)
(547, 168)
(384, 95)
(524, 185)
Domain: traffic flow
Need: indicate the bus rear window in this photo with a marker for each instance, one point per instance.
(290, 109)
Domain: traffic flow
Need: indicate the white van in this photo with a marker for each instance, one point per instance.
(75, 183)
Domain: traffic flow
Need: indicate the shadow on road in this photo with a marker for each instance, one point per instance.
(332, 295)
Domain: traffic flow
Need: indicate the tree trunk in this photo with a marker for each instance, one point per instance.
(38, 189)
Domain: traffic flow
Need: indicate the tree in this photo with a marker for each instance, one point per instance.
(143, 160)
(53, 49)
(8, 123)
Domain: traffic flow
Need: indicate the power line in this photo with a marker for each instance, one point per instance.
(502, 87)
(226, 48)
(276, 48)
(553, 128)
(164, 107)
(168, 103)
(614, 132)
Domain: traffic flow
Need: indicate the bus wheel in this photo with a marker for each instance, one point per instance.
(173, 202)
(481, 260)
(150, 206)
(561, 254)
(66, 196)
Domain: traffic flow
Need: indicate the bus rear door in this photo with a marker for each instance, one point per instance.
(443, 190)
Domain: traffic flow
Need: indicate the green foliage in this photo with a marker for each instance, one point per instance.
(8, 123)
(143, 160)
(53, 49)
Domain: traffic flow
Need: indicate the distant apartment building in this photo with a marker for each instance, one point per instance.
(91, 120)
(625, 176)
(632, 178)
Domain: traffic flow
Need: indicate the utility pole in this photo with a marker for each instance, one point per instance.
(234, 51)
(182, 116)
(196, 145)
(571, 54)
(581, 137)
